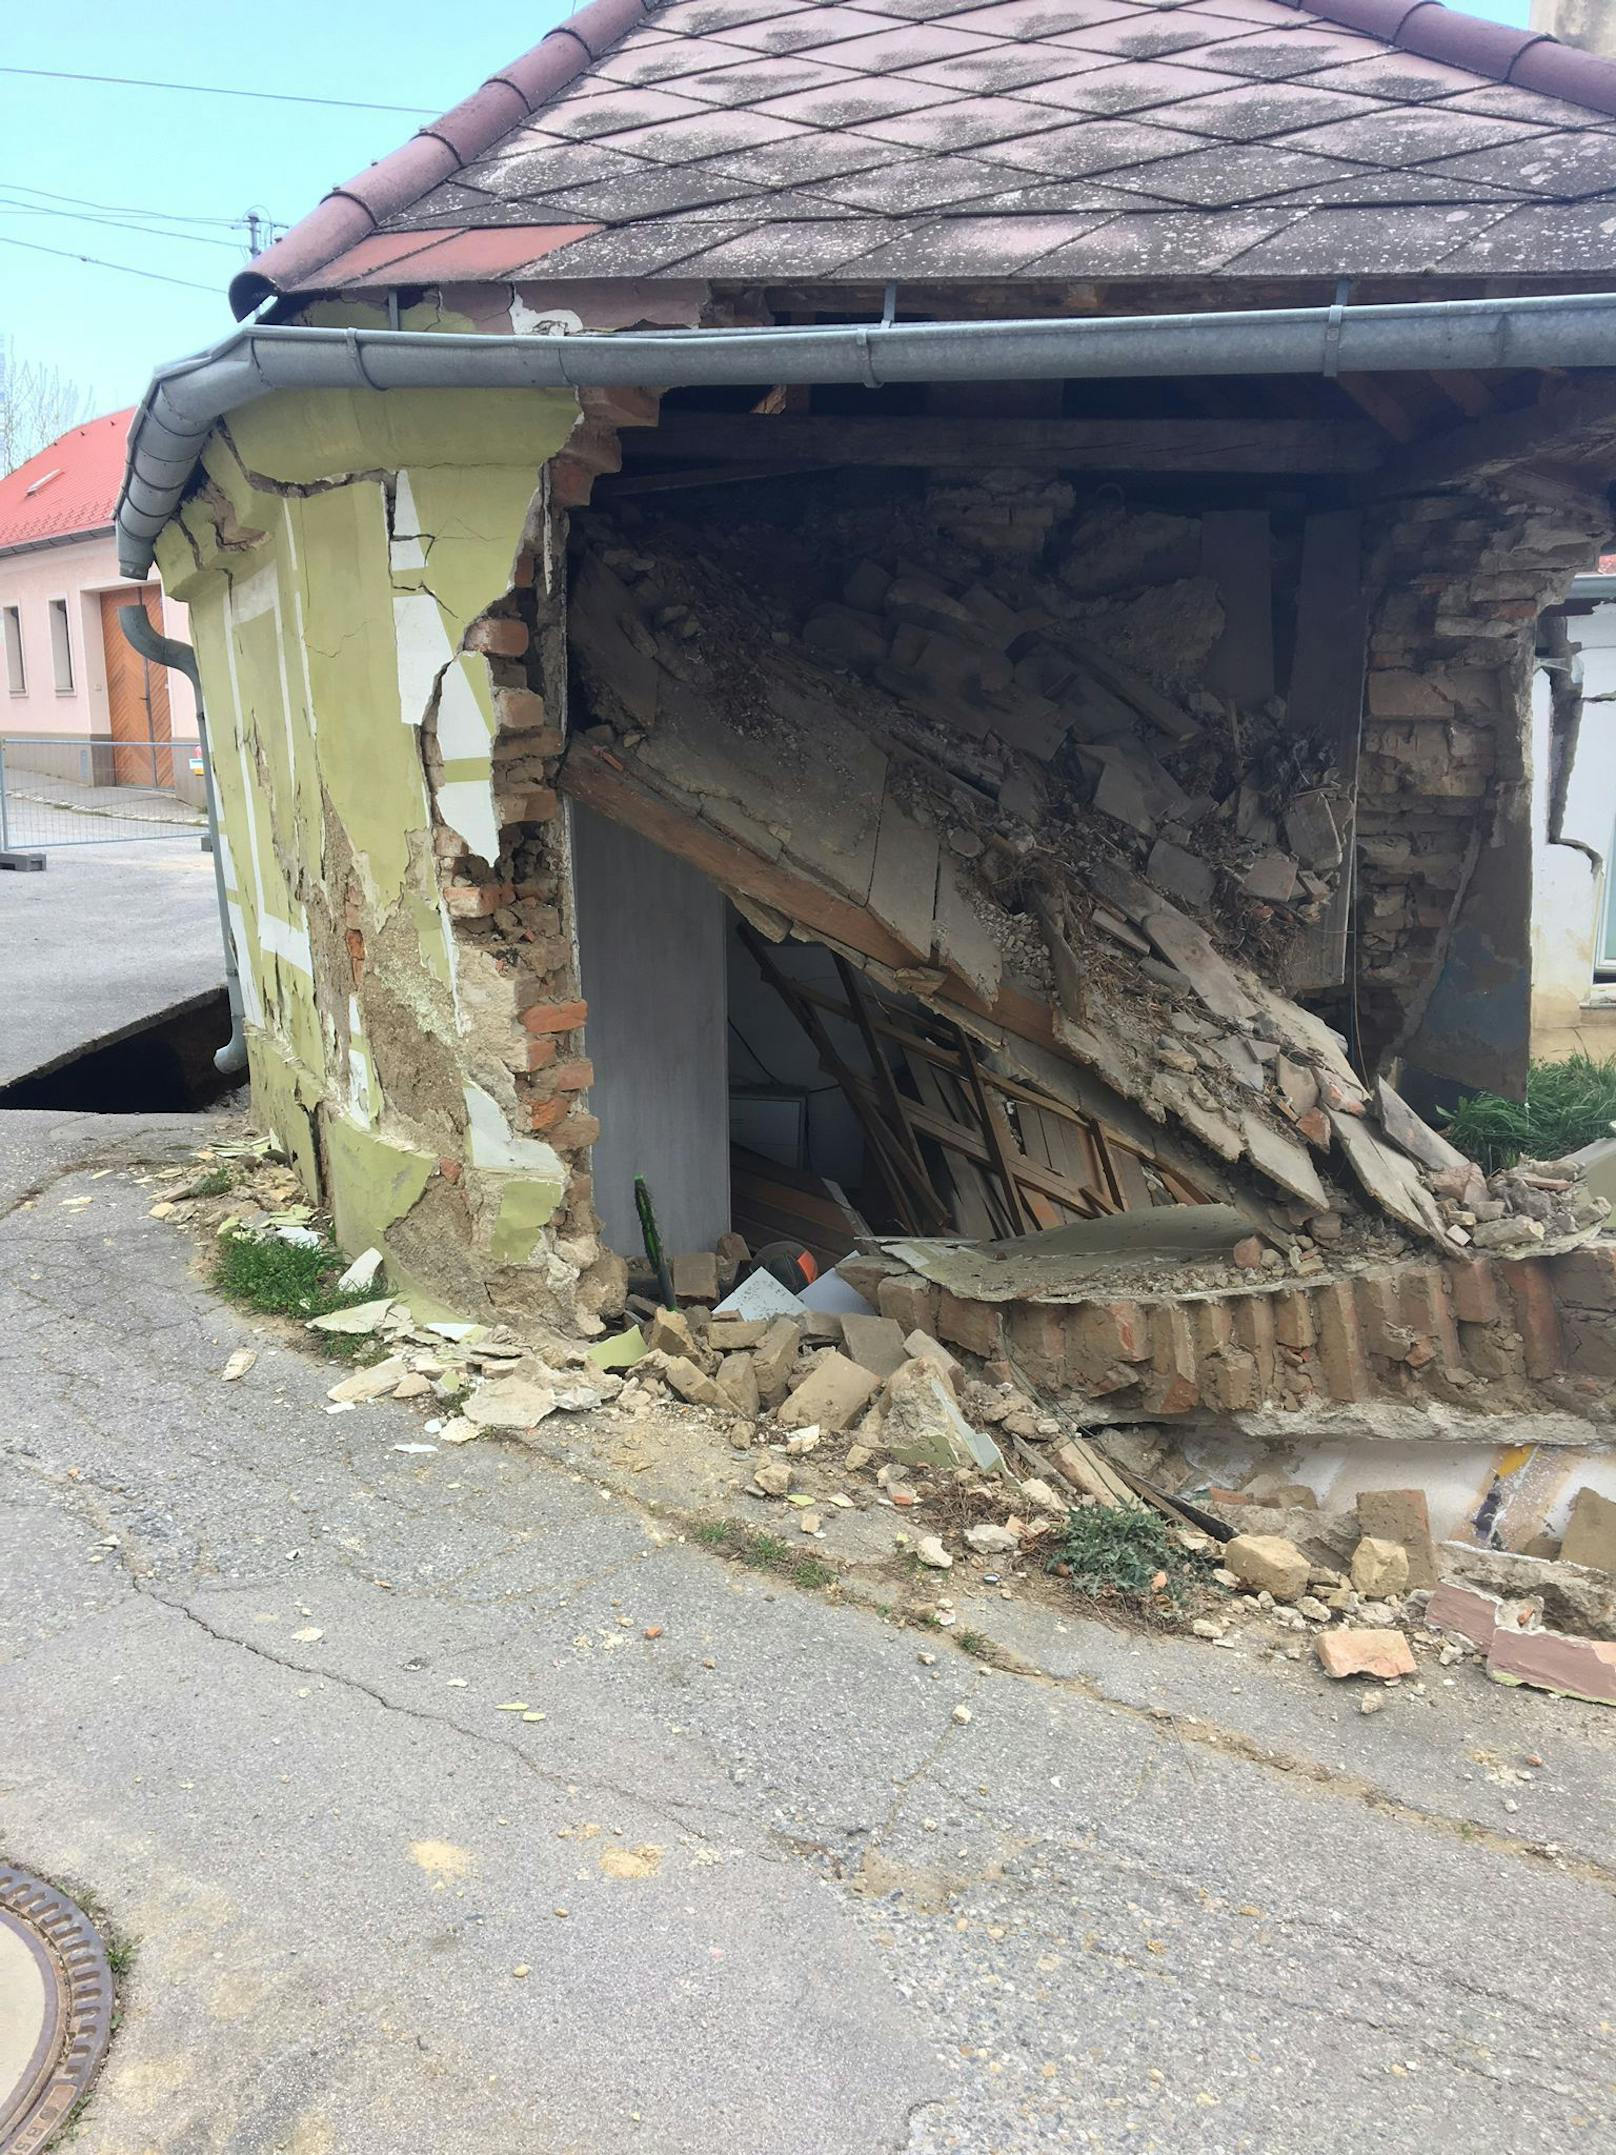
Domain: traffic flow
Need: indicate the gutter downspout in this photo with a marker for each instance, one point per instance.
(231, 1059)
(186, 400)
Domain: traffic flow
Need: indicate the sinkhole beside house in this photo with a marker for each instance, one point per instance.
(164, 1067)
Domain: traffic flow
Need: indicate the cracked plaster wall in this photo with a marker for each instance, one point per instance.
(339, 556)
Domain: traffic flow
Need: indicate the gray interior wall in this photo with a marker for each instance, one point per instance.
(768, 1045)
(651, 958)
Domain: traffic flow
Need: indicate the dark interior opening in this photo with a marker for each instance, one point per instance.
(163, 1068)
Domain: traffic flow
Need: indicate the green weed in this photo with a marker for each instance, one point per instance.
(1568, 1105)
(214, 1183)
(763, 1552)
(282, 1280)
(1118, 1553)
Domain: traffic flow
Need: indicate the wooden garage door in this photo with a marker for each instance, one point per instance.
(137, 695)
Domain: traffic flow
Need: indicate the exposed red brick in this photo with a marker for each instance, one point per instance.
(622, 406)
(1248, 1253)
(520, 710)
(1428, 1312)
(1527, 1281)
(545, 1114)
(1171, 1387)
(1586, 1278)
(575, 1132)
(575, 1076)
(497, 637)
(537, 805)
(1315, 1127)
(1293, 1319)
(555, 1017)
(1474, 1287)
(1038, 1337)
(1254, 1329)
(541, 1050)
(1229, 1381)
(522, 571)
(449, 1169)
(1492, 1351)
(910, 1301)
(976, 1326)
(1380, 1316)
(471, 901)
(356, 954)
(1341, 1351)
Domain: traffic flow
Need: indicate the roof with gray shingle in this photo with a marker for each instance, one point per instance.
(859, 140)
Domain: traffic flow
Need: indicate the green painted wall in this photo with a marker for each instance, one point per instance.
(333, 554)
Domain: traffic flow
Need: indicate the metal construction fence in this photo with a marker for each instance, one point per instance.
(80, 790)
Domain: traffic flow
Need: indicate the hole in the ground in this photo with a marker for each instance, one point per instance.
(165, 1067)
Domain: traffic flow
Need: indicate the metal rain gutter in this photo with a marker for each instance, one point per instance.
(185, 400)
(163, 650)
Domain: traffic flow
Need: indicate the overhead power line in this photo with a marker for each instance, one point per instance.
(117, 224)
(114, 209)
(220, 89)
(96, 262)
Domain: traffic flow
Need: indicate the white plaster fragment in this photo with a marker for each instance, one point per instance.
(423, 651)
(406, 517)
(462, 728)
(467, 806)
(493, 1144)
(406, 554)
(542, 322)
(251, 1007)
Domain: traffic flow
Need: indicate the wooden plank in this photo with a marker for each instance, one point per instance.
(959, 1137)
(939, 1113)
(896, 1105)
(1326, 703)
(1236, 552)
(1167, 445)
(998, 1137)
(1373, 395)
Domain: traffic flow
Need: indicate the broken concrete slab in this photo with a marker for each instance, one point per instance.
(961, 940)
(510, 1403)
(1549, 1661)
(1181, 874)
(919, 1422)
(1311, 832)
(831, 1394)
(355, 1321)
(1283, 1161)
(1414, 1136)
(1271, 877)
(1388, 1177)
(372, 1383)
(1190, 951)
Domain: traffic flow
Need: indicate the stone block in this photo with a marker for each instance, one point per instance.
(1037, 1338)
(1254, 1329)
(774, 1357)
(1293, 1320)
(1401, 1516)
(1549, 1661)
(1383, 1653)
(1379, 1569)
(1099, 1335)
(736, 1379)
(1428, 1312)
(1340, 1344)
(875, 1343)
(695, 1275)
(833, 1392)
(1268, 1563)
(1590, 1536)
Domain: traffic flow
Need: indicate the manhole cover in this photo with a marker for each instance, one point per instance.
(55, 2008)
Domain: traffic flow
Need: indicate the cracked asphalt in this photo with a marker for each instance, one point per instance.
(423, 1843)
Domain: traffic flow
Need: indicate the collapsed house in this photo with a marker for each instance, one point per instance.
(1002, 819)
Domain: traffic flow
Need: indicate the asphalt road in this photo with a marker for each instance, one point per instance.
(347, 1738)
(105, 939)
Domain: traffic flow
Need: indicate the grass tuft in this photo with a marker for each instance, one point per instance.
(1117, 1553)
(763, 1552)
(1568, 1105)
(214, 1183)
(282, 1280)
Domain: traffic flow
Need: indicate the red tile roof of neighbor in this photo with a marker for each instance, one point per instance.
(860, 140)
(69, 488)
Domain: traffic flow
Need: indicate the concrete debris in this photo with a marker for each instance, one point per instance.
(990, 1540)
(930, 1551)
(374, 1382)
(361, 1273)
(510, 1403)
(356, 1321)
(773, 1478)
(238, 1365)
(1402, 1516)
(738, 1382)
(918, 1420)
(875, 1343)
(1520, 1650)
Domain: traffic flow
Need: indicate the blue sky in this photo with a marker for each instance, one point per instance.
(212, 157)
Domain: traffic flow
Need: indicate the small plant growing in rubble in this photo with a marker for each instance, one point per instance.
(1121, 1553)
(1568, 1105)
(284, 1279)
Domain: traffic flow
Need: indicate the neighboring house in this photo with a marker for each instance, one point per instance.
(1574, 878)
(68, 670)
(1013, 537)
